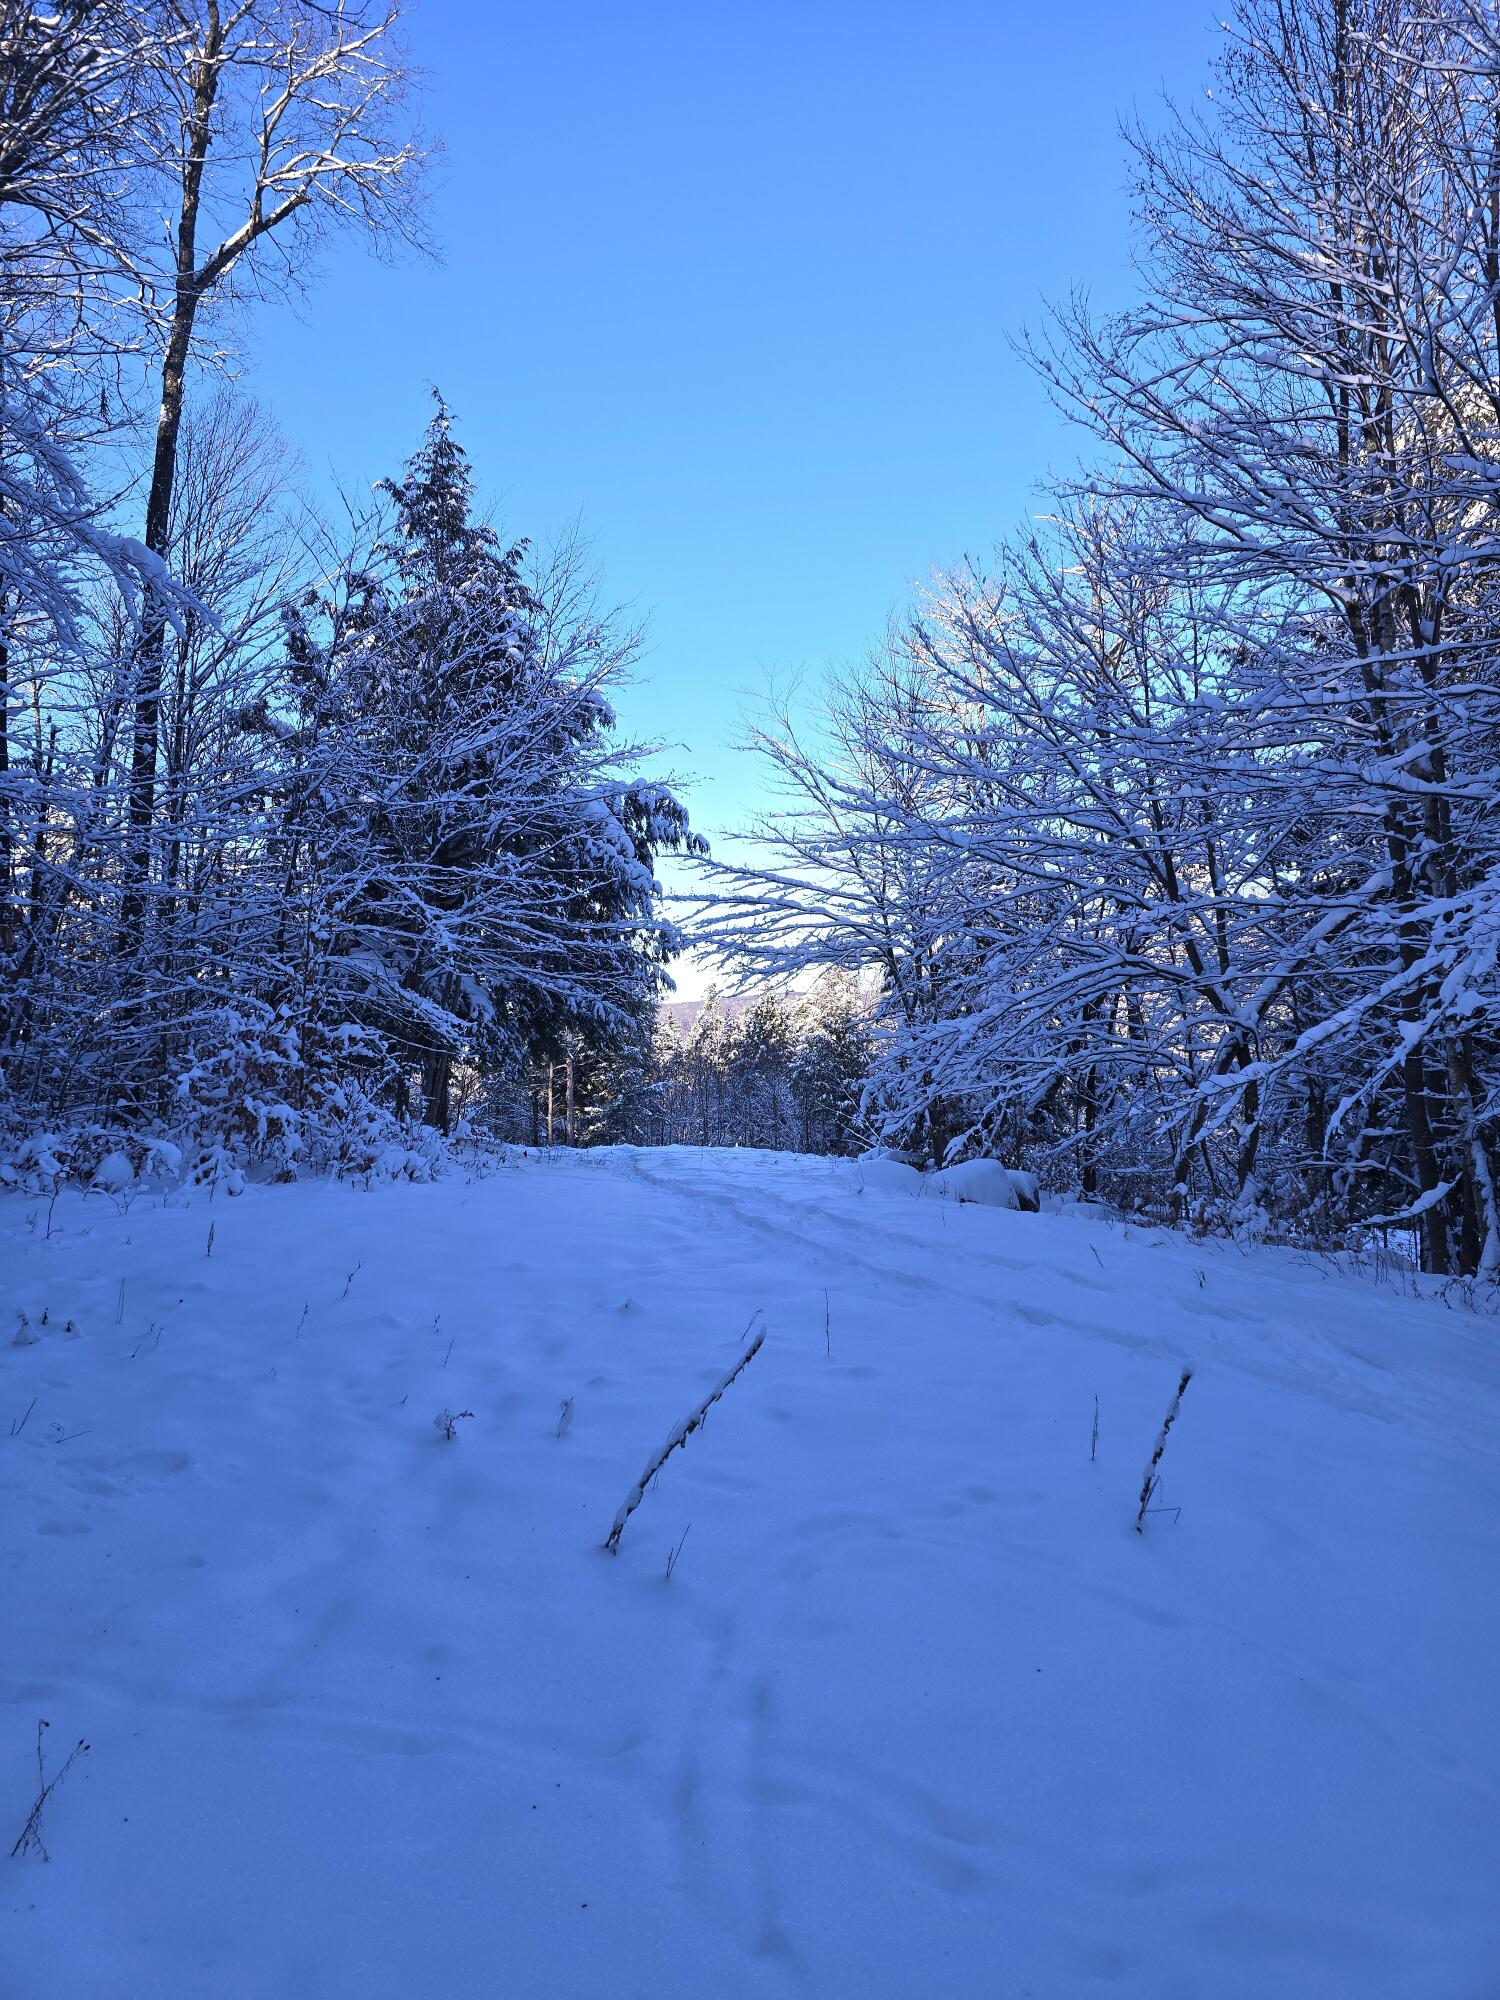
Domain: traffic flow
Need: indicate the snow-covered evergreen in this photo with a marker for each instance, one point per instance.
(782, 1072)
(300, 846)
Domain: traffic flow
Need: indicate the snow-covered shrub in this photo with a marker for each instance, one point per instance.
(240, 1095)
(114, 1173)
(80, 1152)
(263, 1094)
(987, 1183)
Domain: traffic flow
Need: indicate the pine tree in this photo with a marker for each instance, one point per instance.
(496, 895)
(831, 1065)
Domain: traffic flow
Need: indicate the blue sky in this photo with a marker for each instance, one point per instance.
(734, 283)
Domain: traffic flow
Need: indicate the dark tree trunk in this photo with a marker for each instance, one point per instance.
(188, 290)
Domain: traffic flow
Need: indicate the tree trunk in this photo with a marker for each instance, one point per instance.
(8, 915)
(151, 649)
(437, 1090)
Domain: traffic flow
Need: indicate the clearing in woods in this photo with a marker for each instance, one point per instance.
(372, 1713)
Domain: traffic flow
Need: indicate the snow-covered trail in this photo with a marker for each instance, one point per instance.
(372, 1714)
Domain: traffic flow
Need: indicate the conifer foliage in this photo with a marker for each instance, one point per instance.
(306, 853)
(464, 812)
(784, 1072)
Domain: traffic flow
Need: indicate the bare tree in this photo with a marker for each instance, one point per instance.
(286, 127)
(1313, 382)
(76, 138)
(1197, 782)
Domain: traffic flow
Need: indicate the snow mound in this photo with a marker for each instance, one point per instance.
(113, 1174)
(983, 1182)
(886, 1176)
(986, 1183)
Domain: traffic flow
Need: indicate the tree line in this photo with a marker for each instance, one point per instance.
(314, 837)
(1172, 831)
(1168, 833)
(783, 1071)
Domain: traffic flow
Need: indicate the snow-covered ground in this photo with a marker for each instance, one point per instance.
(917, 1713)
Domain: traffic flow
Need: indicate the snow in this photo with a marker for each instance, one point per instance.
(985, 1182)
(371, 1712)
(113, 1174)
(884, 1176)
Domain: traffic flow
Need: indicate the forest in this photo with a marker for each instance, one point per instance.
(1157, 851)
(749, 1000)
(307, 830)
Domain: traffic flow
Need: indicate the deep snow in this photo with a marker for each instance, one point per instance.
(371, 1712)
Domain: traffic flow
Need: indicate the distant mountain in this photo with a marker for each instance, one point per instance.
(683, 1014)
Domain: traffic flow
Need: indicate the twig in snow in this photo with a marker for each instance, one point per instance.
(351, 1277)
(210, 1250)
(678, 1438)
(1097, 1258)
(1094, 1438)
(297, 1330)
(448, 1421)
(30, 1836)
(449, 1349)
(1153, 1478)
(565, 1415)
(673, 1554)
(827, 1325)
(120, 1304)
(17, 1426)
(154, 1329)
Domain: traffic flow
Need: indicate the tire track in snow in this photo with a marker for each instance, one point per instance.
(1445, 1420)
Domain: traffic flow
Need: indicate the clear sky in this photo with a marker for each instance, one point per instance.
(734, 283)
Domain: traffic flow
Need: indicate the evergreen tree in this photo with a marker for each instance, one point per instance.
(831, 1065)
(495, 863)
(761, 1081)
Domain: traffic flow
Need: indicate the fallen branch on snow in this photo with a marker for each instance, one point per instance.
(678, 1438)
(1153, 1478)
(30, 1837)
